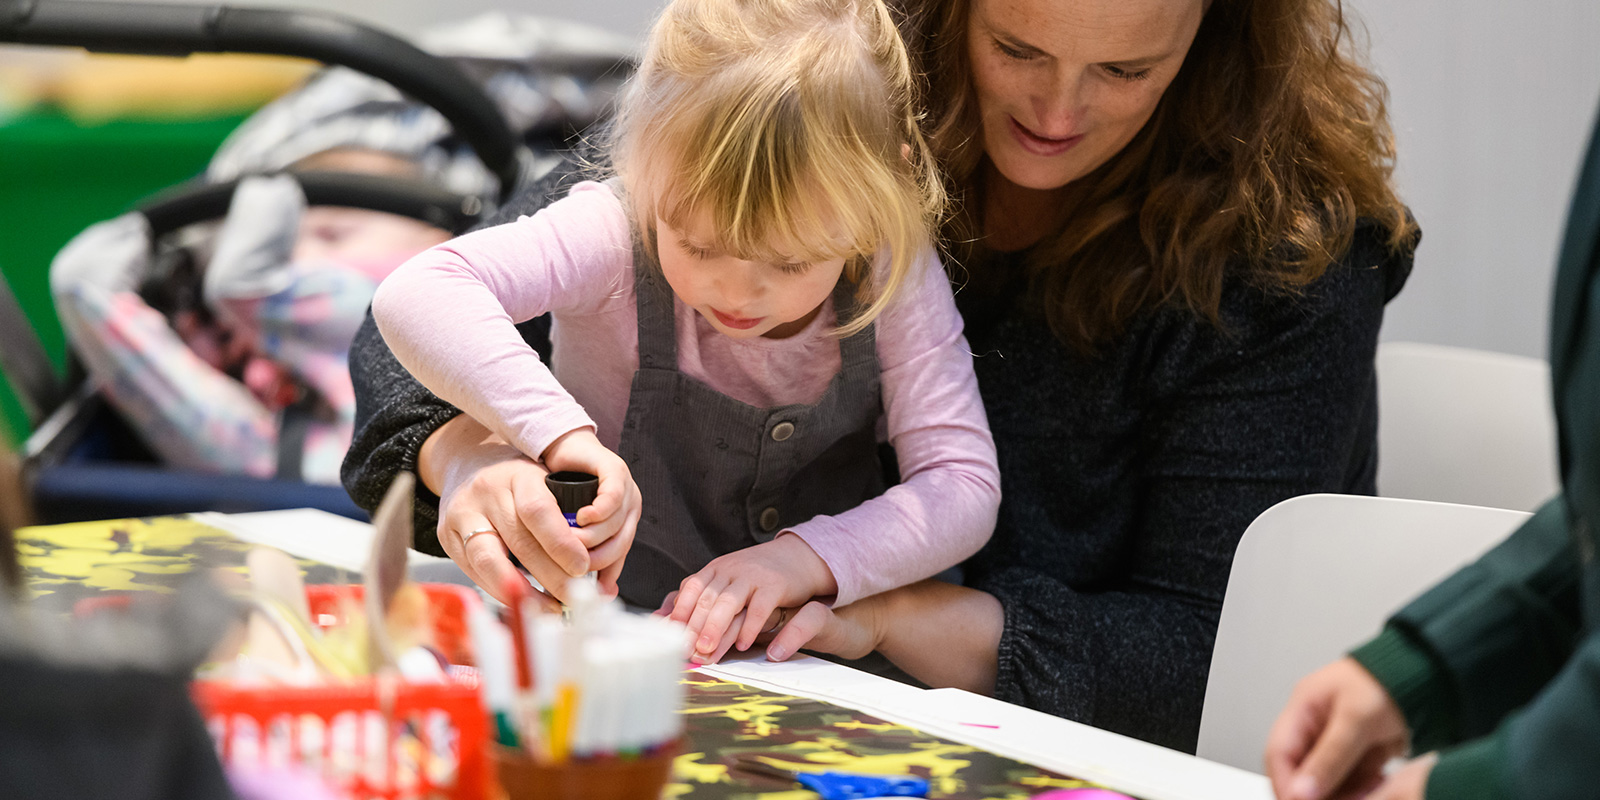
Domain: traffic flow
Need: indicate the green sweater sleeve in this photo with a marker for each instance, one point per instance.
(1499, 635)
(1415, 678)
(1544, 752)
(1483, 642)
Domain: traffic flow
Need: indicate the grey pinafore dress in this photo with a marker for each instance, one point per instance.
(717, 475)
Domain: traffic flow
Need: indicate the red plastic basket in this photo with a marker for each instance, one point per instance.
(368, 738)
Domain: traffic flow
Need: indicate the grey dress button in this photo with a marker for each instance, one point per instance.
(782, 431)
(769, 520)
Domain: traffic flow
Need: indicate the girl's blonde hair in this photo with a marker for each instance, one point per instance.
(792, 125)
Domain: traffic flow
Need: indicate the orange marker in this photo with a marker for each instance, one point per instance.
(518, 590)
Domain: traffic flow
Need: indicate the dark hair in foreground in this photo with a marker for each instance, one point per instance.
(1268, 146)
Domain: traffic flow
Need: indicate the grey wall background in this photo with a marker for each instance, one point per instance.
(1492, 101)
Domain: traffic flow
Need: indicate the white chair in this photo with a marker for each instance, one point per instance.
(1465, 426)
(1313, 577)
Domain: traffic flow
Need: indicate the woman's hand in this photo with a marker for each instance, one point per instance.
(733, 599)
(480, 524)
(1338, 730)
(850, 632)
(485, 484)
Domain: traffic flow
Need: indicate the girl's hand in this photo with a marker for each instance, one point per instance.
(735, 597)
(606, 526)
(1332, 739)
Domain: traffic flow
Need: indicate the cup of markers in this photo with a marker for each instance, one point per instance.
(586, 707)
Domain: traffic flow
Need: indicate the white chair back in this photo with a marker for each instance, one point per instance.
(1313, 577)
(1465, 426)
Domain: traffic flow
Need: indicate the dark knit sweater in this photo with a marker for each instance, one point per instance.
(1127, 478)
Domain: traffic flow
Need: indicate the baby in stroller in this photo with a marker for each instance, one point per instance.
(226, 346)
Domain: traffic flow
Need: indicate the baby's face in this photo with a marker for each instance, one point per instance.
(742, 298)
(371, 241)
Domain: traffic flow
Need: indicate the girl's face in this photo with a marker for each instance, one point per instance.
(1064, 85)
(742, 299)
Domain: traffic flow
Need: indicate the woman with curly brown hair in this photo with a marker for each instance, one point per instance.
(1175, 241)
(1177, 237)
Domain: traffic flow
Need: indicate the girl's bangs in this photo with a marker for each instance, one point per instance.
(791, 216)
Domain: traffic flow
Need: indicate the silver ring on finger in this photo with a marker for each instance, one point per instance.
(783, 616)
(467, 537)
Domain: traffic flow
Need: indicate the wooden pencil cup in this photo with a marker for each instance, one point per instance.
(605, 778)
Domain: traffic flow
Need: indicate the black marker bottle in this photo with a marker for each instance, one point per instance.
(573, 491)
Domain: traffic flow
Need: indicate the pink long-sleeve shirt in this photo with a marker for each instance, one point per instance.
(449, 316)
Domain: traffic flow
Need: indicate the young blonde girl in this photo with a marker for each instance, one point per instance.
(742, 312)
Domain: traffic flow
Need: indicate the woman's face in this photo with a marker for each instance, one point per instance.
(1064, 85)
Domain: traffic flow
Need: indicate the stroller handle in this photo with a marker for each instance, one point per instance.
(171, 29)
(187, 205)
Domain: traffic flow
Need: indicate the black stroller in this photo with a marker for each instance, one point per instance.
(83, 461)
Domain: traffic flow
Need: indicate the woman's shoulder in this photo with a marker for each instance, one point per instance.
(1367, 275)
(1372, 247)
(1330, 321)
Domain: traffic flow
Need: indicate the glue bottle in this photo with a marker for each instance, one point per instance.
(573, 491)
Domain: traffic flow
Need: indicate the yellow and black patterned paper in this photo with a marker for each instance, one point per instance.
(726, 720)
(63, 564)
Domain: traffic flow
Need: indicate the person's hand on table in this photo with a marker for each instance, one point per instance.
(1334, 736)
(734, 599)
(853, 631)
(849, 632)
(486, 486)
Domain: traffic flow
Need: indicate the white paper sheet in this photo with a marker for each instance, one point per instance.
(310, 533)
